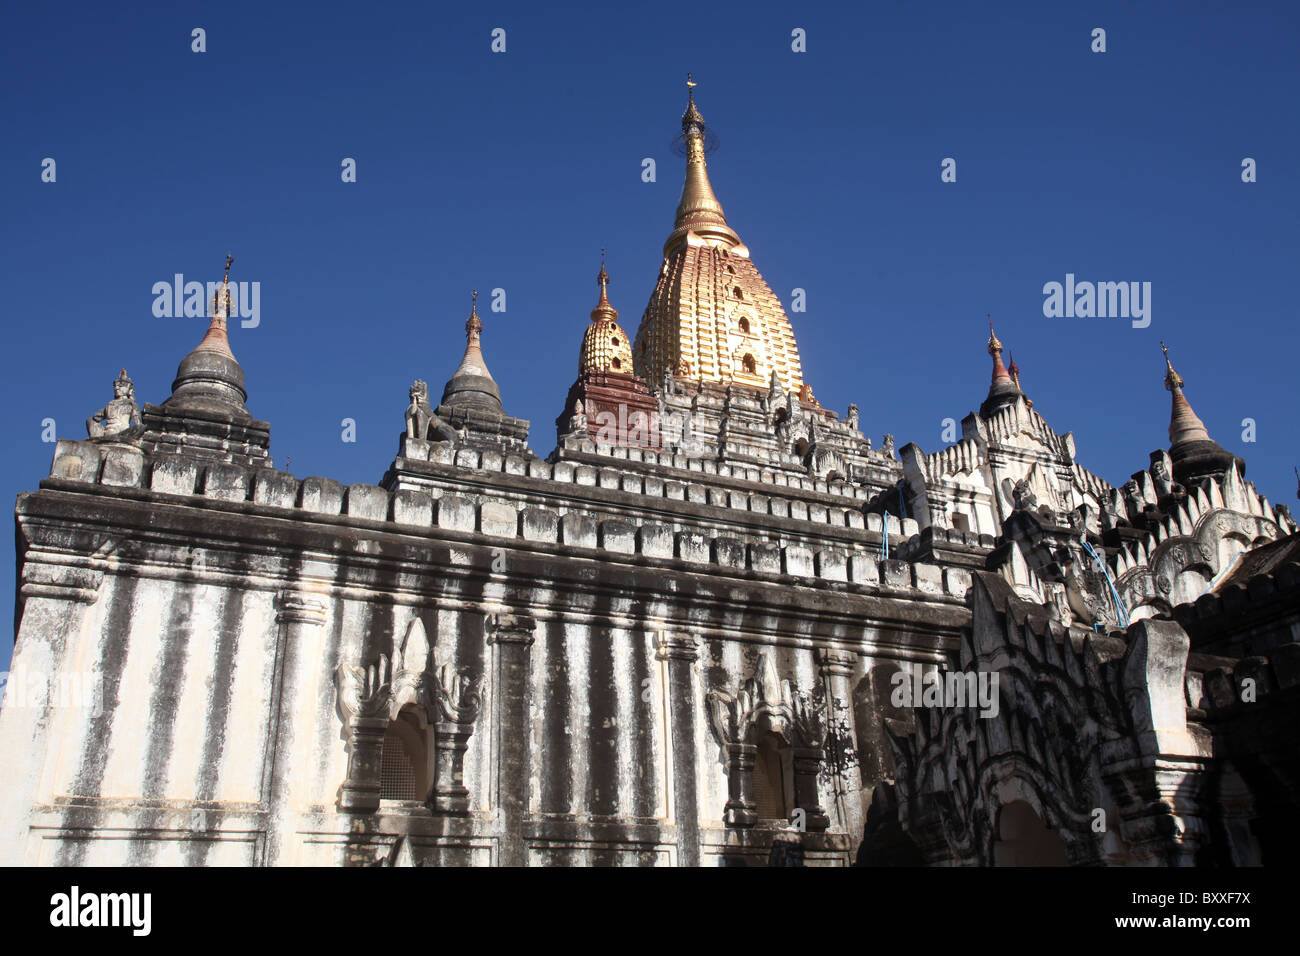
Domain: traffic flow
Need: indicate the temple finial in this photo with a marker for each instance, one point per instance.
(692, 120)
(1184, 424)
(1000, 373)
(995, 346)
(603, 310)
(1002, 390)
(216, 338)
(473, 325)
(1172, 379)
(699, 210)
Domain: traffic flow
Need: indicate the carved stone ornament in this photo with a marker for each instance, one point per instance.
(120, 418)
(370, 696)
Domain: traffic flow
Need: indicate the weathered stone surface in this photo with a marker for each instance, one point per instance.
(366, 501)
(956, 581)
(539, 524)
(655, 540)
(321, 495)
(455, 513)
(279, 489)
(617, 536)
(416, 449)
(78, 460)
(123, 467)
(863, 569)
(765, 557)
(692, 546)
(412, 508)
(498, 520)
(896, 574)
(729, 552)
(180, 476)
(797, 560)
(928, 578)
(832, 565)
(578, 530)
(221, 481)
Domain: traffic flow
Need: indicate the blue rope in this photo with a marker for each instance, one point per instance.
(1119, 605)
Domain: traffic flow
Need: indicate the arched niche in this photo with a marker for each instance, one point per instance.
(1025, 840)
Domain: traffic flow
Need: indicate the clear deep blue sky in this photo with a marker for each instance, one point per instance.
(482, 170)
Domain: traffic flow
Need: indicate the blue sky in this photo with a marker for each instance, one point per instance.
(512, 170)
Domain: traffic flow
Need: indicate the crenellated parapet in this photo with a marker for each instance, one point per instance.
(1176, 554)
(974, 484)
(413, 511)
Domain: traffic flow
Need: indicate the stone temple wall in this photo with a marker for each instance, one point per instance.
(591, 655)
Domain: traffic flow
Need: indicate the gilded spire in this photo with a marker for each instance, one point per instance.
(699, 211)
(1003, 390)
(691, 118)
(603, 312)
(473, 359)
(217, 339)
(1184, 424)
(711, 317)
(605, 346)
(1172, 379)
(1000, 373)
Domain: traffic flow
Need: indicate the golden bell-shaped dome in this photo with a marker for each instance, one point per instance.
(605, 346)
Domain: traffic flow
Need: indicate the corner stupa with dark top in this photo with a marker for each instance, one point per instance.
(206, 415)
(1194, 453)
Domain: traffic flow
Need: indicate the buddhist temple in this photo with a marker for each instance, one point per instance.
(712, 624)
